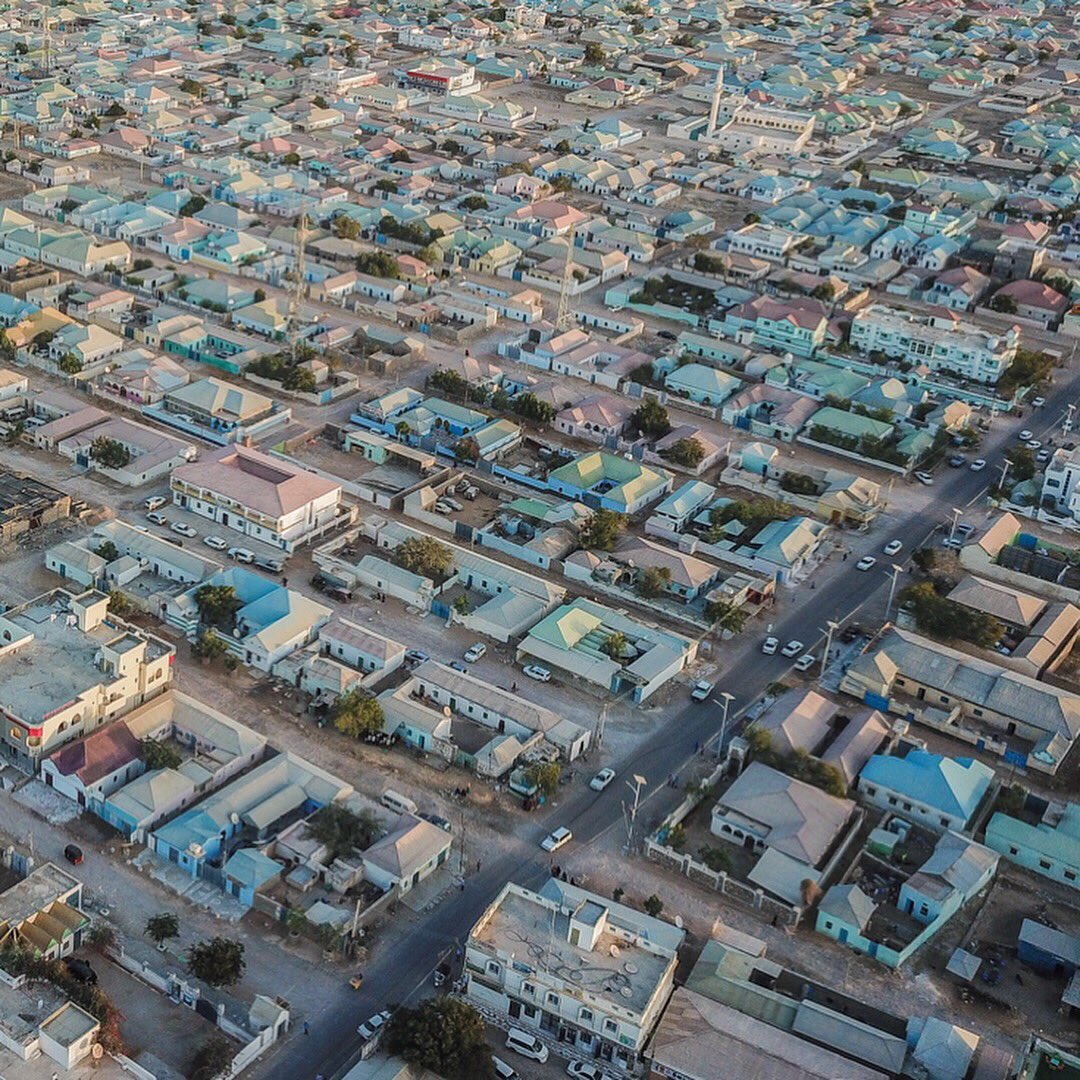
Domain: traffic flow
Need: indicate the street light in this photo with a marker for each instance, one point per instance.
(1006, 465)
(955, 521)
(631, 815)
(897, 570)
(728, 699)
(833, 627)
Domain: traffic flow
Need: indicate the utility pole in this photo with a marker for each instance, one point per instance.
(728, 699)
(897, 570)
(601, 723)
(461, 848)
(955, 521)
(1066, 424)
(1006, 465)
(631, 814)
(564, 318)
(298, 284)
(832, 628)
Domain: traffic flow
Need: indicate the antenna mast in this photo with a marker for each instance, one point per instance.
(564, 319)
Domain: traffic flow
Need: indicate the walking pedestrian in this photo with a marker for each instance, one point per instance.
(307, 1028)
(284, 582)
(478, 866)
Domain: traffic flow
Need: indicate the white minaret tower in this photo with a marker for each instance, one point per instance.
(717, 94)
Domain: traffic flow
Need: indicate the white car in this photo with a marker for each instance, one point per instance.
(475, 652)
(372, 1024)
(892, 547)
(792, 648)
(602, 779)
(157, 519)
(215, 542)
(701, 691)
(241, 554)
(977, 465)
(585, 1070)
(555, 840)
(1038, 402)
(1043, 456)
(502, 1070)
(183, 529)
(865, 563)
(535, 671)
(443, 507)
(965, 528)
(1025, 435)
(805, 662)
(769, 646)
(453, 503)
(155, 502)
(924, 478)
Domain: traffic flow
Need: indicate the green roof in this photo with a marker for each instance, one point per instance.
(850, 423)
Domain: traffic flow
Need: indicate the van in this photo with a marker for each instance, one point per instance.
(521, 1042)
(400, 804)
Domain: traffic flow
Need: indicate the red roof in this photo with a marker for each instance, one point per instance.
(98, 754)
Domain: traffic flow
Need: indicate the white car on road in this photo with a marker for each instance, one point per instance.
(555, 840)
(865, 563)
(602, 779)
(535, 671)
(892, 547)
(183, 529)
(792, 648)
(215, 542)
(805, 662)
(769, 646)
(475, 652)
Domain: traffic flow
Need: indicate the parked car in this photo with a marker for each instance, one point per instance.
(1043, 455)
(438, 821)
(453, 504)
(475, 652)
(701, 691)
(416, 657)
(555, 840)
(805, 662)
(74, 854)
(442, 507)
(954, 542)
(965, 528)
(267, 562)
(334, 589)
(924, 478)
(585, 1070)
(457, 665)
(602, 779)
(81, 971)
(957, 461)
(241, 554)
(1034, 444)
(892, 547)
(865, 563)
(215, 542)
(769, 646)
(526, 1044)
(502, 1070)
(182, 528)
(977, 465)
(441, 974)
(372, 1024)
(1038, 402)
(535, 671)
(667, 335)
(792, 648)
(157, 519)
(1025, 435)
(155, 502)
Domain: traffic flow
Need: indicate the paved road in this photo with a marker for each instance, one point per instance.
(405, 966)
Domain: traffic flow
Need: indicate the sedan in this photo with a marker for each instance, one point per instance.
(1043, 455)
(475, 652)
(157, 519)
(924, 478)
(183, 529)
(701, 690)
(215, 542)
(372, 1024)
(535, 671)
(555, 840)
(769, 646)
(241, 554)
(1025, 435)
(416, 657)
(602, 779)
(1034, 444)
(865, 563)
(1038, 402)
(457, 665)
(977, 465)
(155, 502)
(957, 461)
(585, 1070)
(805, 662)
(792, 648)
(892, 547)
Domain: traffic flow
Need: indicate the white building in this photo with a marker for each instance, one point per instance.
(258, 495)
(573, 967)
(942, 341)
(1060, 482)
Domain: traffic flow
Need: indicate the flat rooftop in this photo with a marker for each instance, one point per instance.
(538, 935)
(44, 885)
(58, 665)
(23, 1011)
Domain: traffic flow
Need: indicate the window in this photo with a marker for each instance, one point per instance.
(871, 790)
(610, 1027)
(553, 1000)
(976, 712)
(1045, 864)
(585, 1015)
(1014, 850)
(1070, 875)
(944, 822)
(528, 988)
(493, 968)
(943, 698)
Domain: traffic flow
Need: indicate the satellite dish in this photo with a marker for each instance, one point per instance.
(234, 817)
(626, 992)
(678, 921)
(196, 850)
(97, 1052)
(613, 950)
(446, 711)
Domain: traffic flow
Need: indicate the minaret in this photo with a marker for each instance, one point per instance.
(717, 94)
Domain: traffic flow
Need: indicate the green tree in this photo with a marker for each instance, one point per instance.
(425, 555)
(943, 618)
(300, 379)
(163, 926)
(924, 558)
(716, 859)
(653, 905)
(653, 582)
(193, 87)
(218, 962)
(108, 551)
(159, 755)
(600, 530)
(615, 644)
(530, 407)
(342, 831)
(1004, 303)
(69, 364)
(474, 202)
(452, 147)
(347, 228)
(102, 937)
(213, 1059)
(291, 158)
(192, 206)
(218, 605)
(594, 54)
(209, 646)
(726, 617)
(378, 264)
(545, 775)
(260, 295)
(450, 383)
(1023, 463)
(444, 1034)
(109, 453)
(651, 419)
(687, 452)
(357, 714)
(467, 449)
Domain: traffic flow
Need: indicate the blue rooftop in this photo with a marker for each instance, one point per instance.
(954, 786)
